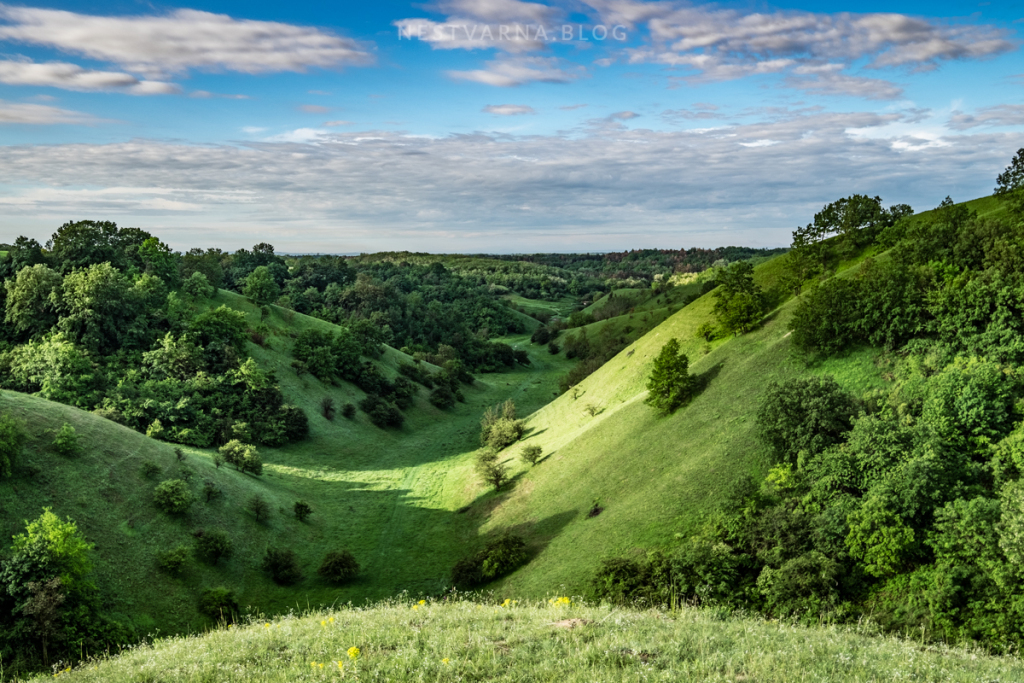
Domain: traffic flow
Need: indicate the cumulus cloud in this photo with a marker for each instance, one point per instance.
(1000, 115)
(596, 188)
(508, 109)
(507, 72)
(74, 77)
(41, 114)
(182, 40)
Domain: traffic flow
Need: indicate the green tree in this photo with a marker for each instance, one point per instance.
(12, 440)
(243, 456)
(259, 507)
(669, 385)
(302, 510)
(739, 301)
(173, 496)
(66, 549)
(66, 442)
(1010, 184)
(96, 307)
(531, 454)
(803, 415)
(30, 309)
(260, 287)
(213, 545)
(338, 566)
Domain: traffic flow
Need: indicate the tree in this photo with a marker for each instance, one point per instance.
(531, 454)
(857, 218)
(260, 287)
(259, 507)
(803, 415)
(97, 306)
(30, 309)
(65, 548)
(243, 456)
(282, 565)
(213, 545)
(211, 490)
(739, 301)
(66, 442)
(173, 496)
(12, 440)
(1010, 184)
(490, 470)
(219, 604)
(43, 607)
(669, 385)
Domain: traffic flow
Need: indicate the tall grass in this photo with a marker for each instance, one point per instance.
(555, 640)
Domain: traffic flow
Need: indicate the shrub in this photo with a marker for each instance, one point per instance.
(442, 397)
(497, 559)
(531, 454)
(219, 604)
(541, 336)
(490, 470)
(504, 433)
(706, 331)
(211, 490)
(670, 384)
(150, 469)
(179, 454)
(282, 565)
(338, 566)
(66, 442)
(12, 440)
(348, 411)
(259, 507)
(243, 456)
(173, 496)
(213, 545)
(327, 407)
(803, 415)
(173, 561)
(382, 413)
(553, 348)
(302, 510)
(186, 474)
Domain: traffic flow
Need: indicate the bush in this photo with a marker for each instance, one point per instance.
(302, 510)
(259, 507)
(803, 415)
(12, 440)
(219, 604)
(214, 545)
(338, 566)
(382, 413)
(150, 469)
(348, 411)
(179, 454)
(541, 336)
(173, 496)
(499, 558)
(66, 443)
(504, 433)
(282, 565)
(490, 470)
(327, 407)
(442, 397)
(243, 456)
(553, 348)
(173, 561)
(531, 454)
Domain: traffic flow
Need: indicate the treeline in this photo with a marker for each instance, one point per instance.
(903, 505)
(109, 319)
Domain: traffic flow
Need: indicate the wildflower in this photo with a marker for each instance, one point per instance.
(508, 601)
(266, 625)
(331, 620)
(323, 623)
(444, 661)
(415, 606)
(313, 664)
(353, 653)
(422, 602)
(341, 666)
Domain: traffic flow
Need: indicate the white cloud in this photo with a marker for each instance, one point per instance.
(253, 130)
(74, 77)
(623, 116)
(333, 124)
(511, 71)
(41, 114)
(181, 40)
(509, 109)
(593, 188)
(314, 109)
(1000, 115)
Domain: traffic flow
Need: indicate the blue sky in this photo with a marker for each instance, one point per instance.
(497, 125)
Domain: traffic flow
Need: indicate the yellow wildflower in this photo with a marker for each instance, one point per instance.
(353, 653)
(444, 661)
(331, 620)
(423, 602)
(323, 623)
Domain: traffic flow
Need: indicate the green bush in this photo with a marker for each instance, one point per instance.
(243, 456)
(302, 510)
(348, 411)
(669, 385)
(213, 546)
(338, 566)
(443, 397)
(282, 565)
(497, 559)
(220, 604)
(150, 469)
(553, 348)
(382, 413)
(173, 561)
(211, 490)
(12, 440)
(173, 496)
(66, 442)
(504, 433)
(490, 470)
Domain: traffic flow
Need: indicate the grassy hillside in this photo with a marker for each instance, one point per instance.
(455, 641)
(390, 497)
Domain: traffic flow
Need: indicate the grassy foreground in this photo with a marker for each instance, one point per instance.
(543, 641)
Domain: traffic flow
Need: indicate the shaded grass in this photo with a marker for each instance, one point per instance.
(463, 640)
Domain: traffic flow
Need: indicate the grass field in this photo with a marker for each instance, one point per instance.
(402, 640)
(562, 307)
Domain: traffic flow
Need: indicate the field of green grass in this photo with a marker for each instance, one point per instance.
(561, 308)
(389, 496)
(404, 640)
